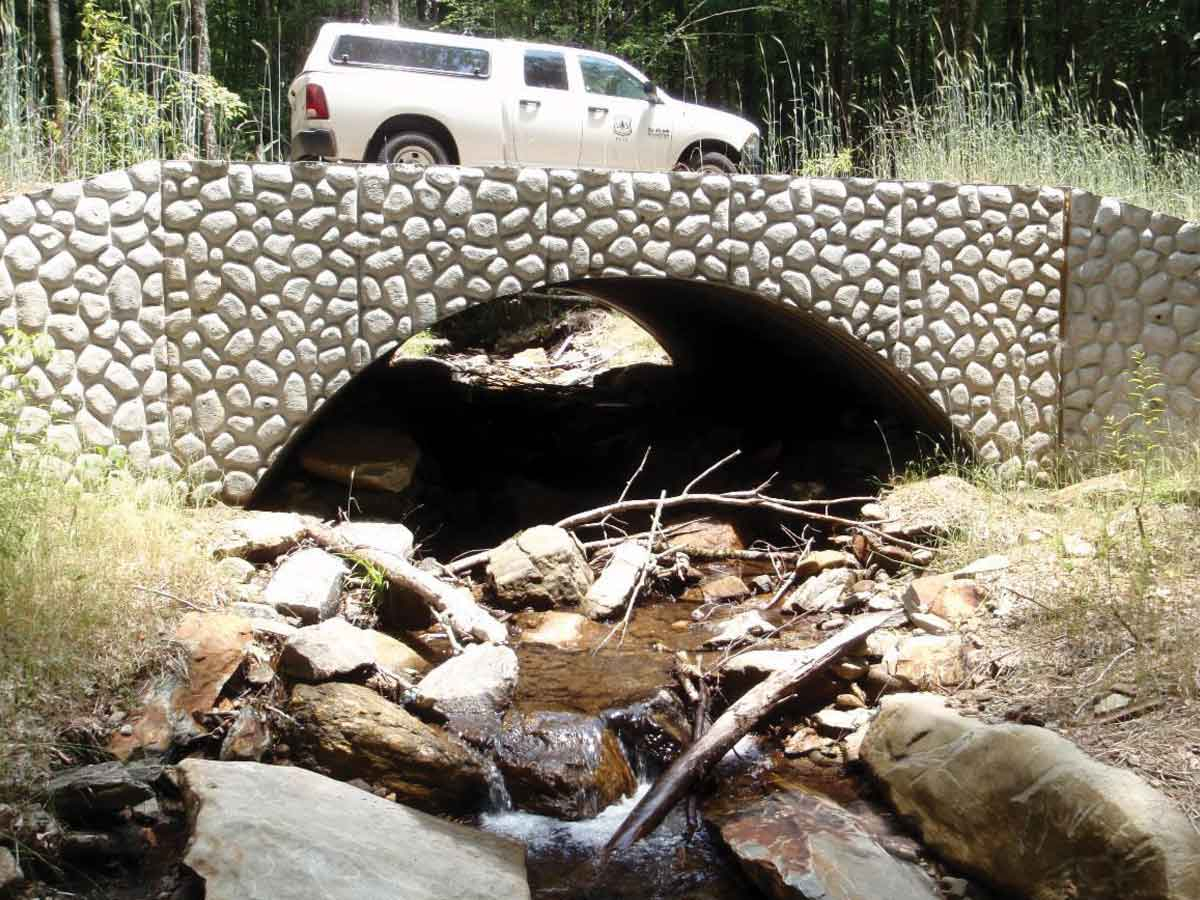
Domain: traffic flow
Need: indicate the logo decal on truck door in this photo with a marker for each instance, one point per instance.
(622, 126)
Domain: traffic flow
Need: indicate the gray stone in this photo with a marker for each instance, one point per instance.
(10, 872)
(1028, 810)
(739, 629)
(472, 690)
(272, 833)
(610, 592)
(260, 536)
(391, 538)
(540, 567)
(308, 584)
(823, 592)
(100, 789)
(335, 649)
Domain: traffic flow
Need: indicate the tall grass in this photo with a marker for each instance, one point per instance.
(981, 123)
(133, 100)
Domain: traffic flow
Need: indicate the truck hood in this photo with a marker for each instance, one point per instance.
(705, 118)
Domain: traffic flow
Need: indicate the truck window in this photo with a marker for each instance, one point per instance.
(545, 69)
(603, 76)
(359, 50)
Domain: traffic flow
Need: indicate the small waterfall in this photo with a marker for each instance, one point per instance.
(499, 800)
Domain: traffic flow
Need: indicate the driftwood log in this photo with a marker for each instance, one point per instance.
(452, 604)
(696, 761)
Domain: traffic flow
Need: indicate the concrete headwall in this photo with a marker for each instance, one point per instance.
(202, 312)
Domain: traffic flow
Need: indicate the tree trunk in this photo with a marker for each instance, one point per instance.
(204, 70)
(395, 12)
(365, 10)
(59, 71)
(837, 59)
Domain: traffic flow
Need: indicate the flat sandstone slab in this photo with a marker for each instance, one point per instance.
(281, 833)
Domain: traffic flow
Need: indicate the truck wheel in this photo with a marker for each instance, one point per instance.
(714, 163)
(413, 149)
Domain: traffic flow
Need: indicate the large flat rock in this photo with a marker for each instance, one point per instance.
(273, 833)
(1028, 810)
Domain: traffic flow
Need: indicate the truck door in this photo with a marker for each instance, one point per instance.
(623, 128)
(545, 113)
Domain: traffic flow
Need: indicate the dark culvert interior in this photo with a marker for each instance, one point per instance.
(466, 447)
(803, 402)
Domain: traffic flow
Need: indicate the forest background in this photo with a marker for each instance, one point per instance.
(1104, 94)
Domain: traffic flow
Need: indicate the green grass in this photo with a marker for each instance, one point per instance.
(982, 124)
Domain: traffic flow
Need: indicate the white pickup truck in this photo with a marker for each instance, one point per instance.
(395, 95)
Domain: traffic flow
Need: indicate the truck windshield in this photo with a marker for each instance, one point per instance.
(355, 49)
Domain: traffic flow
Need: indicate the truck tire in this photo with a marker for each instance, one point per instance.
(714, 163)
(415, 149)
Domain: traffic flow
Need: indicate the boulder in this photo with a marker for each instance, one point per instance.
(280, 833)
(821, 593)
(561, 764)
(724, 589)
(472, 690)
(248, 738)
(822, 560)
(706, 537)
(1027, 810)
(610, 592)
(541, 567)
(335, 649)
(948, 597)
(351, 732)
(308, 585)
(745, 626)
(927, 661)
(795, 844)
(215, 645)
(391, 538)
(10, 872)
(260, 536)
(564, 630)
(100, 789)
(363, 456)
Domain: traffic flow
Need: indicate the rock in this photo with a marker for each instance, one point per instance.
(248, 738)
(307, 584)
(762, 584)
(215, 645)
(840, 722)
(739, 629)
(391, 538)
(1114, 486)
(851, 668)
(795, 844)
(724, 589)
(335, 649)
(1077, 546)
(283, 833)
(564, 630)
(1027, 810)
(102, 789)
(930, 623)
(364, 456)
(10, 873)
(821, 593)
(561, 764)
(822, 560)
(949, 597)
(849, 701)
(707, 537)
(995, 563)
(1111, 703)
(261, 536)
(927, 661)
(352, 732)
(541, 567)
(472, 690)
(235, 570)
(610, 592)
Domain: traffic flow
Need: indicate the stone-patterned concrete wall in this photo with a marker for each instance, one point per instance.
(205, 341)
(82, 262)
(1134, 285)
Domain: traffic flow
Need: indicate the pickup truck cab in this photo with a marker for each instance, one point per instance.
(394, 95)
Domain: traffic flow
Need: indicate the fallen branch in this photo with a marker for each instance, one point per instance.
(695, 762)
(450, 603)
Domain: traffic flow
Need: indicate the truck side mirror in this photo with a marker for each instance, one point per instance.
(651, 91)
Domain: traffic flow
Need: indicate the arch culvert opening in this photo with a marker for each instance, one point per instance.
(530, 410)
(526, 412)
